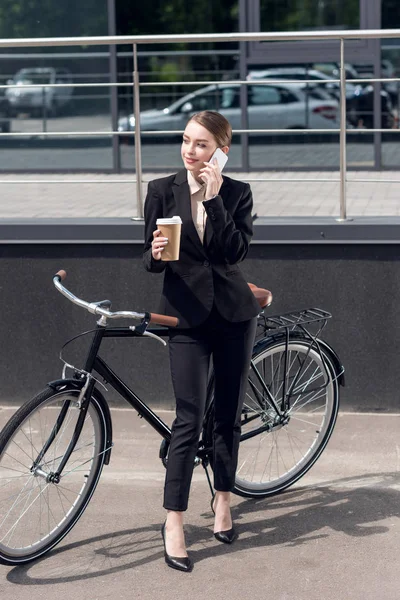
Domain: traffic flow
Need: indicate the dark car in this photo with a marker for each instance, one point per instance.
(360, 109)
(5, 115)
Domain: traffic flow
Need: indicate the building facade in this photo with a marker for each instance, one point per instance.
(96, 108)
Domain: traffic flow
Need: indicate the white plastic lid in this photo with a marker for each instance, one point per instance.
(169, 221)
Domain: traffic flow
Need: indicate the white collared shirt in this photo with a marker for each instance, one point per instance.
(197, 193)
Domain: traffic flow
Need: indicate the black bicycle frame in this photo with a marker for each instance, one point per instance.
(95, 363)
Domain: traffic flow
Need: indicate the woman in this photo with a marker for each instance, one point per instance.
(217, 317)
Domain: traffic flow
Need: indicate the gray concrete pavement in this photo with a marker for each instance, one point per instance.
(103, 195)
(332, 536)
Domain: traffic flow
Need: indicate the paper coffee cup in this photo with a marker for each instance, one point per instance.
(171, 229)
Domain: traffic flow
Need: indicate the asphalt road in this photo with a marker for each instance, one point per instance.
(85, 155)
(32, 152)
(335, 535)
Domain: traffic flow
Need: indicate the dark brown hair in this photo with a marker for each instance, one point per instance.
(216, 124)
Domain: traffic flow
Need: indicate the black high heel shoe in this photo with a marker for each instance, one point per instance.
(227, 537)
(181, 563)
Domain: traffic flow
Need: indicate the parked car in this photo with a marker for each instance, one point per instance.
(332, 69)
(23, 97)
(359, 98)
(303, 74)
(387, 71)
(361, 113)
(365, 71)
(270, 106)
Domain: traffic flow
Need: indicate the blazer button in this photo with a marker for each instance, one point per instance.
(206, 263)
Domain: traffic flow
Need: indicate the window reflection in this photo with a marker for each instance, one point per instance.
(303, 15)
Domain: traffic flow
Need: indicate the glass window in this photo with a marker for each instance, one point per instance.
(230, 97)
(207, 101)
(303, 15)
(287, 97)
(261, 95)
(36, 76)
(318, 94)
(390, 14)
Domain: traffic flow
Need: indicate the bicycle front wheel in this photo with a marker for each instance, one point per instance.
(36, 512)
(283, 449)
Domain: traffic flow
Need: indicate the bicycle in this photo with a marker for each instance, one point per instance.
(53, 449)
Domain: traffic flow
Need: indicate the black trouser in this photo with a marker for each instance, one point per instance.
(230, 345)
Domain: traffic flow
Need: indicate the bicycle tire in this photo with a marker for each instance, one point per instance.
(36, 514)
(273, 460)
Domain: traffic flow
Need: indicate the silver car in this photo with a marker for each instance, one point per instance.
(23, 97)
(323, 80)
(270, 106)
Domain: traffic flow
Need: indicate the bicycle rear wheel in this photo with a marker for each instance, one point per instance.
(36, 513)
(281, 450)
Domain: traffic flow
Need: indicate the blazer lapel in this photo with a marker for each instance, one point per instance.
(181, 193)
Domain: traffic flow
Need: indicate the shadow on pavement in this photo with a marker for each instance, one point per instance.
(350, 506)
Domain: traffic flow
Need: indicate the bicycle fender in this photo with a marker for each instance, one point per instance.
(107, 416)
(337, 363)
(60, 384)
(278, 337)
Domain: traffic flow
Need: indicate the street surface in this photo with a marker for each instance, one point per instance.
(334, 535)
(100, 194)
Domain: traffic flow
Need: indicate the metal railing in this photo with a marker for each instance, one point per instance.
(340, 36)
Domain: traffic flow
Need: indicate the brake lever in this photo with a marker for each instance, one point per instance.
(142, 329)
(156, 337)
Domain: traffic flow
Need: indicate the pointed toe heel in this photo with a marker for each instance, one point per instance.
(180, 563)
(227, 537)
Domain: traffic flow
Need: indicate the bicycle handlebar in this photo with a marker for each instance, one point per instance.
(96, 309)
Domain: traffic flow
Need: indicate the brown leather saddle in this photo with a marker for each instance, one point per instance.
(263, 297)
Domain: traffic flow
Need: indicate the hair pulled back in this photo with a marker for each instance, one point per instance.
(216, 124)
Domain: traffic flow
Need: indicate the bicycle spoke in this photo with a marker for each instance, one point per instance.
(22, 514)
(30, 439)
(11, 479)
(16, 470)
(18, 498)
(16, 460)
(20, 494)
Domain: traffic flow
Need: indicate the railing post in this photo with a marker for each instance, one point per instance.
(343, 119)
(244, 118)
(112, 61)
(44, 110)
(138, 146)
(377, 121)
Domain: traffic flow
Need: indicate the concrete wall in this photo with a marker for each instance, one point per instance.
(358, 282)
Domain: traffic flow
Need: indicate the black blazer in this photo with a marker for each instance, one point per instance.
(205, 273)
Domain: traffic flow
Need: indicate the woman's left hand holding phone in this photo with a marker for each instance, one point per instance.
(158, 244)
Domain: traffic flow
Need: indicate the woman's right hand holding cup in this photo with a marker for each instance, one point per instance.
(158, 244)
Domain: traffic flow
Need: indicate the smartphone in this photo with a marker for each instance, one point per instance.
(221, 157)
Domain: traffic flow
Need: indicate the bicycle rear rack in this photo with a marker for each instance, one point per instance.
(295, 319)
(310, 322)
